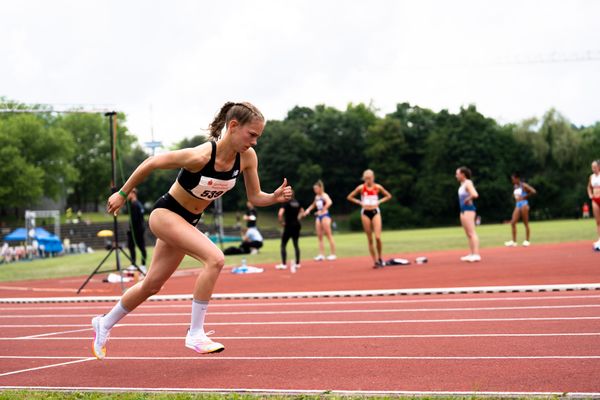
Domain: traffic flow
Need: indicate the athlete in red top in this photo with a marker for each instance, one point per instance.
(370, 213)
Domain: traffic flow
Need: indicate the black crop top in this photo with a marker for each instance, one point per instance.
(208, 184)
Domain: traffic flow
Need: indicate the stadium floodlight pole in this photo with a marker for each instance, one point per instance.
(115, 245)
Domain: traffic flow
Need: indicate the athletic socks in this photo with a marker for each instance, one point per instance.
(114, 315)
(198, 314)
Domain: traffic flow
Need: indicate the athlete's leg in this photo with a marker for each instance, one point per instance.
(525, 218)
(377, 223)
(513, 223)
(285, 237)
(366, 223)
(193, 243)
(467, 219)
(596, 211)
(295, 237)
(319, 230)
(326, 223)
(165, 261)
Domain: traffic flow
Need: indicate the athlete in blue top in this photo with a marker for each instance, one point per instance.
(466, 195)
(521, 192)
(206, 173)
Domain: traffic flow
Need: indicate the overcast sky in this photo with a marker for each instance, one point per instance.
(514, 59)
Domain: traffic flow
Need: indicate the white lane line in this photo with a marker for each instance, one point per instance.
(46, 366)
(291, 358)
(268, 303)
(44, 335)
(321, 337)
(326, 294)
(336, 322)
(296, 312)
(576, 395)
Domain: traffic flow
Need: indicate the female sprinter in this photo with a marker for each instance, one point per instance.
(206, 173)
(466, 195)
(521, 192)
(370, 213)
(593, 190)
(322, 202)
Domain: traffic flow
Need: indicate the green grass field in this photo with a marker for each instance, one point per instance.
(348, 245)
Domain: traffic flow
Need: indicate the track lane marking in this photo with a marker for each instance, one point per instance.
(52, 333)
(320, 337)
(334, 322)
(300, 303)
(79, 360)
(317, 312)
(291, 358)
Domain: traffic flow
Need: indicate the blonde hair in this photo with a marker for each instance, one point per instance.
(242, 112)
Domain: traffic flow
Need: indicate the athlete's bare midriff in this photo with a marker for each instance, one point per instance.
(186, 200)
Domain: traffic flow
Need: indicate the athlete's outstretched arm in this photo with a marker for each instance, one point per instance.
(184, 158)
(386, 195)
(312, 205)
(352, 196)
(529, 189)
(256, 196)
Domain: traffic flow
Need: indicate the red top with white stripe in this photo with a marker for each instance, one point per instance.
(369, 197)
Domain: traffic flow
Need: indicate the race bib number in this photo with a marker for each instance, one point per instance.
(211, 188)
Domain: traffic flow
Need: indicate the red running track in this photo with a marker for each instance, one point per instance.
(525, 342)
(564, 263)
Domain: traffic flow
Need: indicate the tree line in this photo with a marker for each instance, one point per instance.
(414, 152)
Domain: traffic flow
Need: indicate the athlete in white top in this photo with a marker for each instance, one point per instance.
(593, 190)
(370, 213)
(322, 202)
(466, 195)
(521, 192)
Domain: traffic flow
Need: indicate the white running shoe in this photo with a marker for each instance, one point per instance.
(474, 258)
(293, 268)
(100, 338)
(526, 243)
(596, 245)
(466, 258)
(331, 257)
(510, 243)
(297, 266)
(319, 257)
(202, 344)
(281, 266)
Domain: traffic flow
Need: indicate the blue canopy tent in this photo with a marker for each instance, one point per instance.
(50, 241)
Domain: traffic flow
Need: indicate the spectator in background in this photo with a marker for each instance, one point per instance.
(252, 240)
(250, 216)
(289, 216)
(585, 210)
(137, 229)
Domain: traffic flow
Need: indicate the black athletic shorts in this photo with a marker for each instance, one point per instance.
(370, 213)
(167, 201)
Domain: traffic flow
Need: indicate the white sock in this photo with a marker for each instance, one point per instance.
(114, 315)
(198, 314)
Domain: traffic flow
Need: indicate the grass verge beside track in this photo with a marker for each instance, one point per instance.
(348, 245)
(38, 395)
